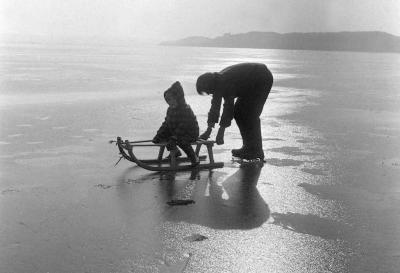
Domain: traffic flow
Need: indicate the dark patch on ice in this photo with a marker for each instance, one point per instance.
(283, 162)
(136, 181)
(103, 186)
(314, 171)
(341, 192)
(196, 238)
(7, 191)
(180, 202)
(121, 182)
(295, 151)
(272, 139)
(312, 225)
(266, 183)
(303, 141)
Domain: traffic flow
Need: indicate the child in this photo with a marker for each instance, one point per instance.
(180, 126)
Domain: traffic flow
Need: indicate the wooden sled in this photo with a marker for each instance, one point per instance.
(126, 151)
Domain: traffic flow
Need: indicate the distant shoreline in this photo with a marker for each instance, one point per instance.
(368, 41)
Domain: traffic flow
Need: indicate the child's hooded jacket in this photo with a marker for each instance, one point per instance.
(180, 122)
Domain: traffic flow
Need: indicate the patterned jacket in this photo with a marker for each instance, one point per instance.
(180, 122)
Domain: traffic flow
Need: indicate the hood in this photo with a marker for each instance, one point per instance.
(176, 91)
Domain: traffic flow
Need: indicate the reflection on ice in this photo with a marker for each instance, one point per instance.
(233, 204)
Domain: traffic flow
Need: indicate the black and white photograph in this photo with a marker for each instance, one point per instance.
(207, 136)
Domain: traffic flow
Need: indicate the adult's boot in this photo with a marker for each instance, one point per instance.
(253, 154)
(238, 152)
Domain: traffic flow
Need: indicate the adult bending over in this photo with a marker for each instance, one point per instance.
(249, 84)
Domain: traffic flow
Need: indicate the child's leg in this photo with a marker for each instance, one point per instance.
(172, 145)
(188, 149)
(177, 154)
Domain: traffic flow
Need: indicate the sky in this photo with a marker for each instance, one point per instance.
(174, 19)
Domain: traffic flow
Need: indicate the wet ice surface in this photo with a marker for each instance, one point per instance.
(326, 200)
(315, 206)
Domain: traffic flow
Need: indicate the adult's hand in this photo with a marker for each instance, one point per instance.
(220, 136)
(206, 134)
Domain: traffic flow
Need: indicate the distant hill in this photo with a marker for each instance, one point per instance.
(369, 41)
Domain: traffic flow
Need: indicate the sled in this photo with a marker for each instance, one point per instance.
(167, 164)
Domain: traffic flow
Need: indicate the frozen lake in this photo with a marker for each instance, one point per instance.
(327, 199)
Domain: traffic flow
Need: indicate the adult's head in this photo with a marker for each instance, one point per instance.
(207, 83)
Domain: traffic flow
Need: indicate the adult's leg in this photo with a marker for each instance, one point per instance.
(261, 90)
(239, 114)
(252, 128)
(248, 118)
(247, 115)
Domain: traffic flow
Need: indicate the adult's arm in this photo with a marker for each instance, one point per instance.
(213, 114)
(227, 112)
(226, 119)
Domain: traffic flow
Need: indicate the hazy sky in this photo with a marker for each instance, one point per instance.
(173, 19)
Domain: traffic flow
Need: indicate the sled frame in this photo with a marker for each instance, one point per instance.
(126, 151)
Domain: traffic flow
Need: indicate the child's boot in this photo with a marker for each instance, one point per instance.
(177, 154)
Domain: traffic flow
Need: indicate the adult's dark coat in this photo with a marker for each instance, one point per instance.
(244, 89)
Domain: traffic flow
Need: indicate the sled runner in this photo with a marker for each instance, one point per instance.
(166, 164)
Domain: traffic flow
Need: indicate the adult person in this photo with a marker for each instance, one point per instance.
(247, 83)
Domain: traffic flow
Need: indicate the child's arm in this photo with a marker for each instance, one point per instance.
(162, 133)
